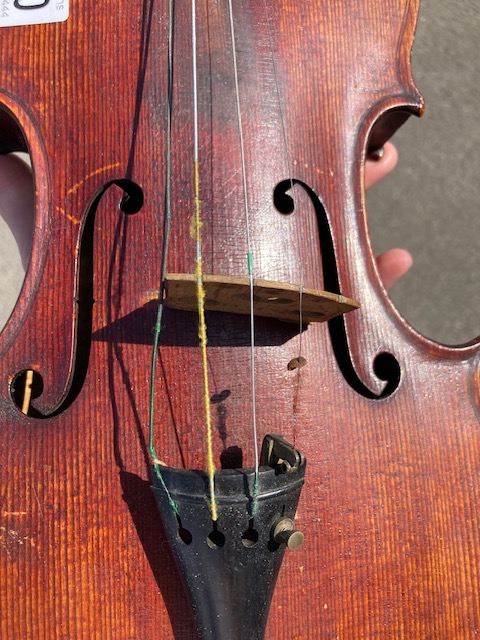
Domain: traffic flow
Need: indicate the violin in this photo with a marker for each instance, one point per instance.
(213, 421)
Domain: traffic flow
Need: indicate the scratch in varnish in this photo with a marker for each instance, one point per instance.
(67, 215)
(14, 513)
(91, 175)
(76, 186)
(40, 510)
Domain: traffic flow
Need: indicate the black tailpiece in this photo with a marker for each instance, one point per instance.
(229, 568)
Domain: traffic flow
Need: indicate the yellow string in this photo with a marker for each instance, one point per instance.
(196, 231)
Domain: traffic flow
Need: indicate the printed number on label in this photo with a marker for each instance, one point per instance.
(15, 13)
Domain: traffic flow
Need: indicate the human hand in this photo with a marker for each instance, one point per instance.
(394, 263)
(17, 200)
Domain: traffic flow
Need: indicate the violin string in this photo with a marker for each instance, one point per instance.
(166, 243)
(290, 169)
(196, 231)
(249, 248)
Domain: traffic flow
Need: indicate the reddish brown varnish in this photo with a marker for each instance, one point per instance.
(390, 508)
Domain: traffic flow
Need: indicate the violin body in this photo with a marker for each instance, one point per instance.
(387, 419)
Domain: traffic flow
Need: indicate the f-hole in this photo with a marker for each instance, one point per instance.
(385, 365)
(131, 202)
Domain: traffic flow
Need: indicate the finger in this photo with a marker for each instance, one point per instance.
(375, 170)
(17, 202)
(392, 265)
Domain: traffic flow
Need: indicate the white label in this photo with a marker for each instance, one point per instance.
(15, 13)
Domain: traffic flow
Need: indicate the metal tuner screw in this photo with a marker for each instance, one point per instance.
(284, 532)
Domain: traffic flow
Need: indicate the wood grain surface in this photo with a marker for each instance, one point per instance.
(387, 419)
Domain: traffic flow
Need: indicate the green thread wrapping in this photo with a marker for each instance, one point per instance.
(167, 225)
(254, 502)
(250, 263)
